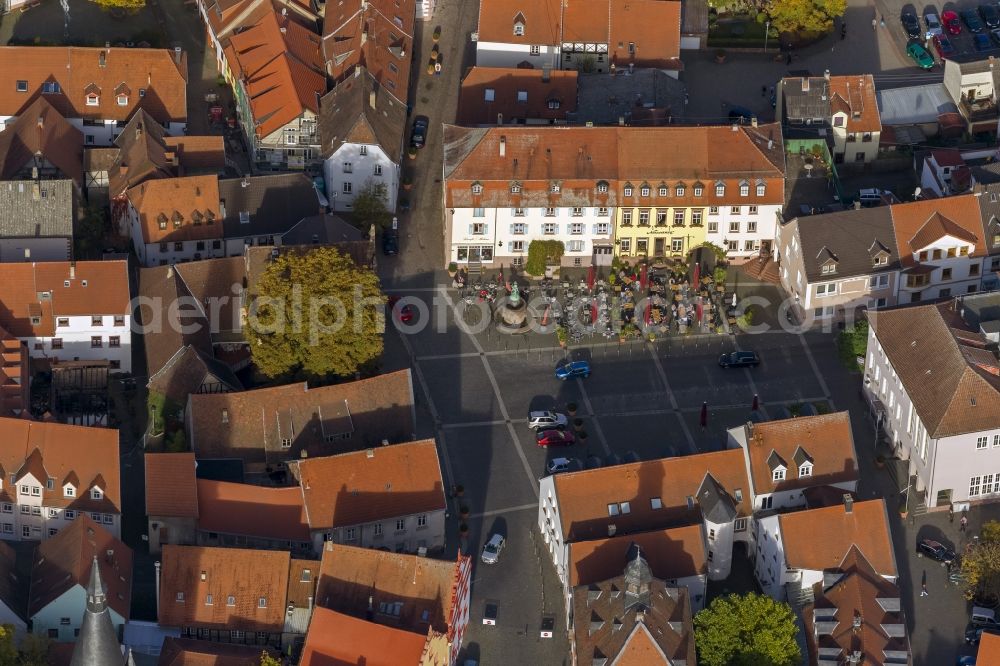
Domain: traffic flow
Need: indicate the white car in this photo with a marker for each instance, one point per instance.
(557, 465)
(933, 25)
(546, 420)
(491, 551)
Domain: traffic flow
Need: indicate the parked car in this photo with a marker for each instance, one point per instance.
(920, 56)
(402, 313)
(974, 633)
(573, 369)
(544, 420)
(935, 550)
(982, 42)
(984, 617)
(911, 25)
(490, 612)
(418, 137)
(970, 17)
(547, 438)
(990, 15)
(933, 24)
(872, 196)
(951, 23)
(390, 242)
(944, 47)
(557, 465)
(967, 660)
(739, 359)
(492, 548)
(995, 36)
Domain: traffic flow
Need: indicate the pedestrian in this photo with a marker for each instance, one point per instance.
(951, 513)
(881, 21)
(962, 523)
(923, 590)
(874, 24)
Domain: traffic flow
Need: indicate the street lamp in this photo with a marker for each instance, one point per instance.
(767, 29)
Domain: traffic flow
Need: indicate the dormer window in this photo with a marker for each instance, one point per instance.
(829, 269)
(664, 191)
(720, 190)
(744, 189)
(806, 469)
(519, 24)
(477, 188)
(698, 189)
(69, 490)
(93, 99)
(515, 188)
(644, 191)
(122, 100)
(628, 190)
(680, 189)
(555, 188)
(760, 189)
(602, 187)
(880, 260)
(778, 474)
(262, 602)
(96, 493)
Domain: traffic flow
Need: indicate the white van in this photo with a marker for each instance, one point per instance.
(873, 196)
(984, 617)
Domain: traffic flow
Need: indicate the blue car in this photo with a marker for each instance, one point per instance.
(573, 369)
(981, 42)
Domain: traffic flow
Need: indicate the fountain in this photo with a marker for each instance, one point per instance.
(511, 314)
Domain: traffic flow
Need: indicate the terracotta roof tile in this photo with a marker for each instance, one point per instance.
(584, 496)
(825, 440)
(153, 71)
(911, 223)
(335, 638)
(989, 649)
(541, 21)
(653, 26)
(377, 484)
(190, 652)
(178, 209)
(857, 93)
(171, 489)
(672, 553)
(41, 130)
(15, 375)
(248, 576)
(61, 450)
(64, 561)
(474, 108)
(252, 424)
(351, 578)
(865, 527)
(303, 575)
(927, 347)
(256, 511)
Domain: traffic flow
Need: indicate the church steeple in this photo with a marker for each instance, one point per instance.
(97, 644)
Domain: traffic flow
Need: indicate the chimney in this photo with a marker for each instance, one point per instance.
(753, 122)
(364, 36)
(72, 270)
(848, 503)
(177, 55)
(122, 169)
(170, 271)
(157, 590)
(357, 71)
(371, 99)
(369, 453)
(826, 74)
(621, 121)
(503, 146)
(102, 59)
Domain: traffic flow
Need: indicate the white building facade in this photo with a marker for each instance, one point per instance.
(355, 167)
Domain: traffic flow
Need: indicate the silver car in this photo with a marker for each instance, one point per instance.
(933, 25)
(491, 551)
(546, 420)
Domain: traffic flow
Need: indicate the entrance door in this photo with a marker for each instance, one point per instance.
(658, 245)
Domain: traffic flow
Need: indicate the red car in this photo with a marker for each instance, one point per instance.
(951, 22)
(403, 313)
(943, 46)
(546, 438)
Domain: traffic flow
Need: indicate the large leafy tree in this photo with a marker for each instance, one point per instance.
(124, 4)
(804, 15)
(981, 564)
(746, 630)
(315, 314)
(369, 207)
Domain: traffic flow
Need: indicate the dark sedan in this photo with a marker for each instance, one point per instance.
(990, 15)
(911, 25)
(971, 19)
(935, 550)
(973, 633)
(740, 359)
(419, 135)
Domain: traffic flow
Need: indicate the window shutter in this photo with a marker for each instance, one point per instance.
(470, 229)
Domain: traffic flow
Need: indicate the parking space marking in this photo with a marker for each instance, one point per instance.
(670, 396)
(500, 512)
(472, 424)
(532, 480)
(815, 369)
(597, 422)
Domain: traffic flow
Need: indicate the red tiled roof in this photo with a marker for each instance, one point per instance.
(41, 130)
(154, 72)
(189, 599)
(335, 638)
(376, 484)
(922, 222)
(64, 561)
(820, 539)
(989, 649)
(15, 375)
(178, 209)
(856, 94)
(171, 489)
(672, 553)
(474, 108)
(541, 22)
(256, 511)
(653, 26)
(191, 652)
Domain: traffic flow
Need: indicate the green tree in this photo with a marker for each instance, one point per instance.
(268, 660)
(981, 570)
(8, 651)
(746, 630)
(316, 314)
(804, 15)
(34, 650)
(369, 206)
(124, 4)
(990, 531)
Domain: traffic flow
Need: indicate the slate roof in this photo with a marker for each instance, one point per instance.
(348, 116)
(943, 365)
(43, 209)
(815, 97)
(851, 236)
(323, 229)
(41, 130)
(275, 203)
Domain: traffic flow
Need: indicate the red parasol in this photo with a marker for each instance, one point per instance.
(697, 273)
(593, 312)
(699, 310)
(590, 278)
(756, 403)
(644, 277)
(704, 415)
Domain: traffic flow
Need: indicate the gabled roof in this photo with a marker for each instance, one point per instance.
(13, 586)
(171, 488)
(335, 638)
(178, 209)
(380, 483)
(953, 387)
(819, 539)
(923, 222)
(489, 92)
(65, 561)
(352, 580)
(40, 130)
(55, 450)
(43, 209)
(254, 511)
(825, 441)
(858, 612)
(584, 496)
(352, 415)
(360, 111)
(672, 553)
(191, 652)
(156, 77)
(256, 579)
(541, 21)
(271, 204)
(851, 234)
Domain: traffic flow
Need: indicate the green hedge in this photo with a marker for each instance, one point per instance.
(541, 253)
